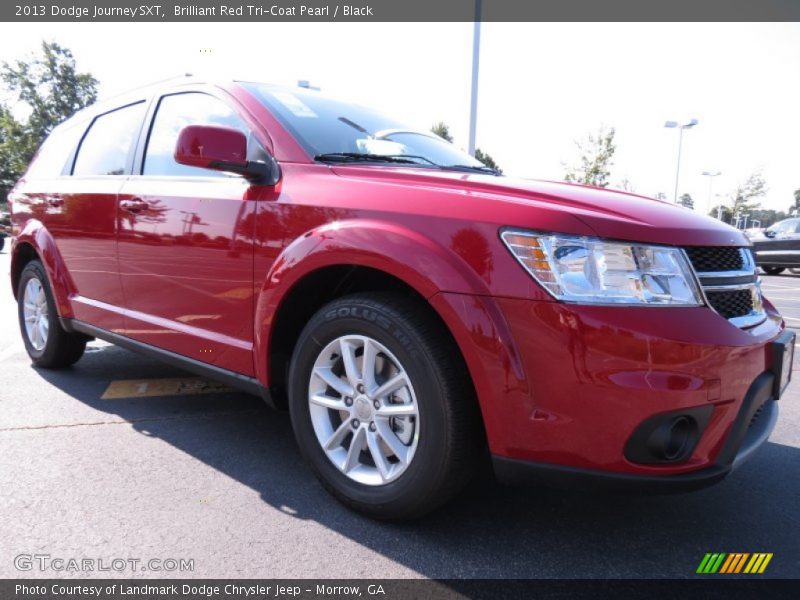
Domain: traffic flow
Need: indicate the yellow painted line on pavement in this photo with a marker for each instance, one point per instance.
(149, 388)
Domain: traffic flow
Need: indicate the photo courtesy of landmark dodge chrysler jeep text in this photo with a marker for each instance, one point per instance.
(413, 309)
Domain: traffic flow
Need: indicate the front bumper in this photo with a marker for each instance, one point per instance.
(750, 431)
(563, 387)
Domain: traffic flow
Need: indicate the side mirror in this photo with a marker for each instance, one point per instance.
(769, 234)
(219, 149)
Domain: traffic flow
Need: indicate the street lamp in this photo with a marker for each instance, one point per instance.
(681, 127)
(711, 175)
(476, 58)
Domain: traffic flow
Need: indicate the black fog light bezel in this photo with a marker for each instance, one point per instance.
(668, 438)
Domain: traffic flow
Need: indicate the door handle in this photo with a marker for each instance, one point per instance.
(55, 202)
(134, 205)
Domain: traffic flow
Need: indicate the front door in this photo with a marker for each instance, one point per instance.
(186, 244)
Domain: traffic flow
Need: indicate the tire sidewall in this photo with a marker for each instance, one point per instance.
(34, 270)
(344, 317)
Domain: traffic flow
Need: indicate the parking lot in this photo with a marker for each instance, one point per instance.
(88, 471)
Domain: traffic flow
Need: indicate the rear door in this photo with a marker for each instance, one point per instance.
(82, 213)
(186, 242)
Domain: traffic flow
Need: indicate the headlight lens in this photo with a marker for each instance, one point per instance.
(595, 271)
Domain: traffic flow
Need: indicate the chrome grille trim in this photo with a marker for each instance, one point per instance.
(736, 280)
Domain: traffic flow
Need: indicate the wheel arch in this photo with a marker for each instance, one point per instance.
(36, 243)
(313, 291)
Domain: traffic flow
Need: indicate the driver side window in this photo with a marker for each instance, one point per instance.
(177, 111)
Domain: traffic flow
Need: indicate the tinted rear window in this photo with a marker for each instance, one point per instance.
(107, 145)
(51, 159)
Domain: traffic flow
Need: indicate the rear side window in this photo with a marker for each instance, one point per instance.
(54, 153)
(106, 147)
(175, 112)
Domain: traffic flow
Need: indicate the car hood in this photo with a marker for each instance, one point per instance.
(608, 213)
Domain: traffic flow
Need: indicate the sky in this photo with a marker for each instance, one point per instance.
(542, 86)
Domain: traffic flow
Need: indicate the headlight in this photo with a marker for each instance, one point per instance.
(595, 271)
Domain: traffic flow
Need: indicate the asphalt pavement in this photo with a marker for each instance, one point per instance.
(215, 478)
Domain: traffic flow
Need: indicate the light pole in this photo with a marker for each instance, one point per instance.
(719, 207)
(476, 54)
(681, 127)
(710, 176)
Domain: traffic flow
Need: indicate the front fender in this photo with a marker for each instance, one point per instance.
(421, 263)
(36, 236)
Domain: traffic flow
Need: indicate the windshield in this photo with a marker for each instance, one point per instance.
(335, 131)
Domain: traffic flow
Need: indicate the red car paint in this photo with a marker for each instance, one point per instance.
(202, 268)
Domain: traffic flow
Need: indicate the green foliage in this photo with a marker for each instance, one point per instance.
(49, 89)
(686, 200)
(487, 160)
(442, 130)
(766, 216)
(796, 206)
(626, 185)
(746, 199)
(15, 151)
(747, 196)
(594, 164)
(726, 215)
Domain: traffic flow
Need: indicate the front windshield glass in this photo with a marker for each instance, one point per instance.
(333, 130)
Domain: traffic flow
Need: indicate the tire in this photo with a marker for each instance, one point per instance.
(48, 344)
(440, 435)
(2, 243)
(773, 270)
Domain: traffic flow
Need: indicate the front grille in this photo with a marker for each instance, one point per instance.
(708, 259)
(731, 304)
(728, 277)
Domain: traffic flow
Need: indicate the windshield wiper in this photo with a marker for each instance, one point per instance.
(474, 169)
(407, 159)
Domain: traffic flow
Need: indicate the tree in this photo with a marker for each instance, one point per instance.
(686, 200)
(626, 185)
(14, 151)
(744, 199)
(795, 208)
(723, 211)
(766, 217)
(747, 196)
(594, 166)
(442, 130)
(49, 86)
(484, 157)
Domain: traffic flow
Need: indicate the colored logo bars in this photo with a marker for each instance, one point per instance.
(735, 562)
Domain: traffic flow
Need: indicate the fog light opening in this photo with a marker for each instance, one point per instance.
(680, 432)
(672, 440)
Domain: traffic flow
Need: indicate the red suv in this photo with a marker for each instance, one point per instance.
(415, 310)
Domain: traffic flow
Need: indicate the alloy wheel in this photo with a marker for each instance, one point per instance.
(364, 410)
(34, 310)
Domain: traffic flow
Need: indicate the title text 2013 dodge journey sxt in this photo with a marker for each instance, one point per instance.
(413, 309)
